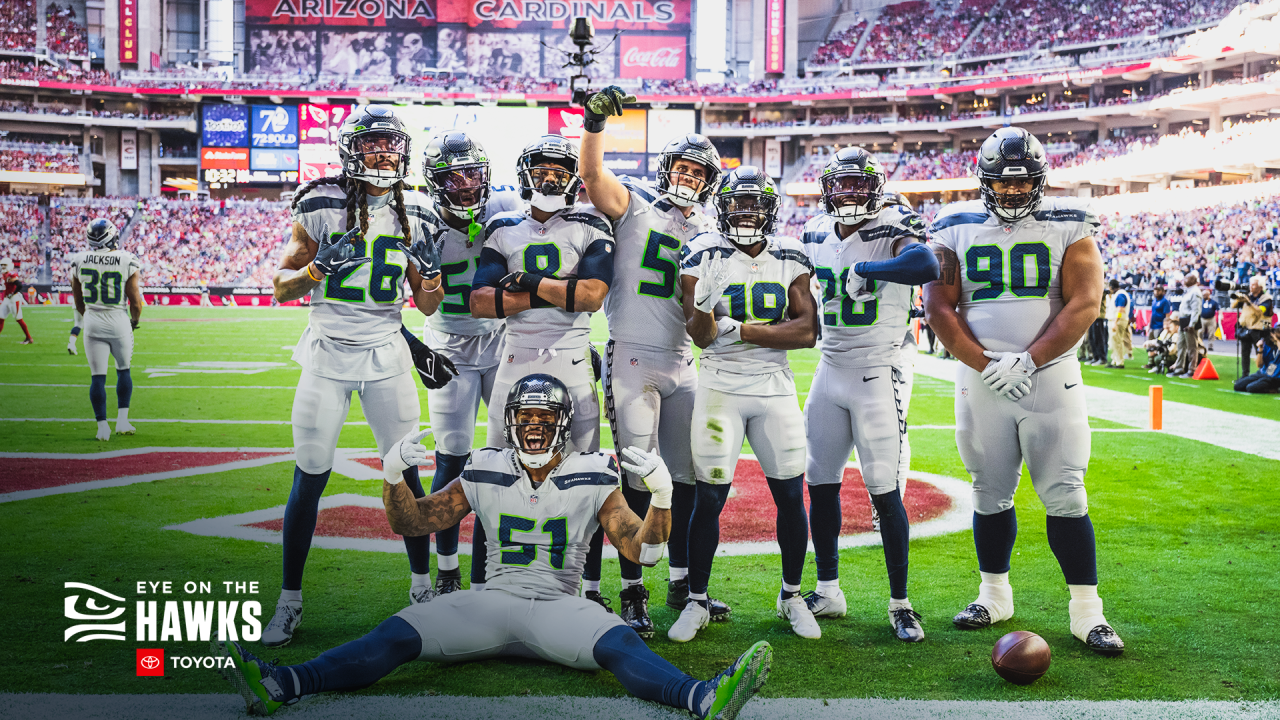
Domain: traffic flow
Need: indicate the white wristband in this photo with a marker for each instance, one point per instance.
(651, 554)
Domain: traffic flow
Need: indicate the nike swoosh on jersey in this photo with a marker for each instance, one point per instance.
(869, 379)
(1068, 387)
(575, 362)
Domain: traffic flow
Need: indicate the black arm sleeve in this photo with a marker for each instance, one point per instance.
(490, 268)
(597, 262)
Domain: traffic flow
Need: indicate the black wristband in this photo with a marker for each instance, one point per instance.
(529, 282)
(593, 123)
(497, 303)
(571, 287)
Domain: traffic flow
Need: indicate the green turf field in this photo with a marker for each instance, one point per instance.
(1187, 538)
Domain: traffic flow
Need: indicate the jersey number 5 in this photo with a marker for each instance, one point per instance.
(557, 528)
(105, 287)
(384, 277)
(986, 263)
(665, 267)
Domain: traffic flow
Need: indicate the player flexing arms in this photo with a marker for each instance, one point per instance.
(546, 269)
(867, 267)
(12, 303)
(1021, 284)
(456, 169)
(546, 503)
(349, 253)
(747, 301)
(649, 378)
(101, 280)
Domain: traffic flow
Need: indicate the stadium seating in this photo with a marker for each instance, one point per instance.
(39, 157)
(63, 35)
(18, 25)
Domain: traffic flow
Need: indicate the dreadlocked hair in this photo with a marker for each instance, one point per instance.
(358, 203)
(401, 214)
(342, 182)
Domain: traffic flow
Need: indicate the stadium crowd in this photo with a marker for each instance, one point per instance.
(39, 157)
(63, 35)
(919, 30)
(18, 25)
(185, 243)
(20, 223)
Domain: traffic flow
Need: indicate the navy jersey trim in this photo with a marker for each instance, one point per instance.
(963, 218)
(489, 477)
(1067, 215)
(499, 223)
(321, 202)
(592, 220)
(491, 267)
(564, 482)
(691, 260)
(796, 255)
(642, 192)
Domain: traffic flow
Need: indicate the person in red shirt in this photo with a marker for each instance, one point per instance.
(12, 303)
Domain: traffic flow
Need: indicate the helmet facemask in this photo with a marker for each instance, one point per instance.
(462, 189)
(683, 188)
(746, 217)
(553, 187)
(1012, 206)
(538, 428)
(380, 147)
(852, 197)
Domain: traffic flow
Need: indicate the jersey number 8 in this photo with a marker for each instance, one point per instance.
(986, 263)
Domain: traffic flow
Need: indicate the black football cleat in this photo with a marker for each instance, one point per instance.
(595, 597)
(635, 610)
(906, 625)
(974, 617)
(448, 581)
(1104, 641)
(678, 597)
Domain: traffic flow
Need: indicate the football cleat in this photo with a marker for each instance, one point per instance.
(635, 610)
(286, 620)
(826, 605)
(678, 597)
(693, 618)
(448, 581)
(973, 617)
(1104, 641)
(28, 341)
(421, 593)
(906, 624)
(258, 682)
(124, 428)
(104, 434)
(796, 611)
(727, 692)
(595, 597)
(71, 349)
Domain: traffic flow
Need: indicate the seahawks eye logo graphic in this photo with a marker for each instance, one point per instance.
(99, 612)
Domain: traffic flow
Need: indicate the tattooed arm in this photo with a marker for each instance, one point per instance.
(291, 280)
(413, 517)
(625, 529)
(940, 300)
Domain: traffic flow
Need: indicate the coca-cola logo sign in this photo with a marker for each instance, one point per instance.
(654, 57)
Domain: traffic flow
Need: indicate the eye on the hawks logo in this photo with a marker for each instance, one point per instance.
(150, 662)
(98, 612)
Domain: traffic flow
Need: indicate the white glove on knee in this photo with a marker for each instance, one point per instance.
(1009, 374)
(650, 468)
(406, 453)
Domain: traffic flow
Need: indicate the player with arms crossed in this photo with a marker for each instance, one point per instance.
(12, 303)
(545, 503)
(747, 302)
(101, 280)
(546, 269)
(649, 376)
(1021, 284)
(356, 239)
(456, 169)
(867, 267)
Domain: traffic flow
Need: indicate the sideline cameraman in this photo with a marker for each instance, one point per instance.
(1267, 379)
(1254, 323)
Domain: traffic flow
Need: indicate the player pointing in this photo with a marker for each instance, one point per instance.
(543, 503)
(1021, 284)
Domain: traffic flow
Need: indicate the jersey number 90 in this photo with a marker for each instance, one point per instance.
(986, 264)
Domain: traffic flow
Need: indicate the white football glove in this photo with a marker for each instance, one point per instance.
(855, 286)
(650, 468)
(406, 453)
(1009, 374)
(716, 274)
(728, 332)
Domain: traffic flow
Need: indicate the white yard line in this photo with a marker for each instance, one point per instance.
(1233, 431)
(560, 707)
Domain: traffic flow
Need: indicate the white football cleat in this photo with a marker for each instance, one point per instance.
(124, 428)
(421, 594)
(104, 433)
(795, 610)
(71, 349)
(826, 605)
(280, 630)
(693, 618)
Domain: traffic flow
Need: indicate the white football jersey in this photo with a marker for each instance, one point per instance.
(1011, 283)
(537, 538)
(757, 295)
(103, 275)
(459, 258)
(644, 302)
(817, 227)
(575, 242)
(863, 334)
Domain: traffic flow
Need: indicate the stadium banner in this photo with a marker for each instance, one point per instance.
(666, 125)
(128, 149)
(504, 131)
(273, 159)
(224, 125)
(354, 13)
(318, 139)
(128, 31)
(773, 158)
(621, 135)
(274, 126)
(775, 45)
(504, 54)
(282, 52)
(376, 55)
(656, 57)
(214, 158)
(731, 151)
(565, 121)
(631, 164)
(604, 14)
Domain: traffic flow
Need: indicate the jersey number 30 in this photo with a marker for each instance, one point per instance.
(986, 264)
(104, 287)
(523, 554)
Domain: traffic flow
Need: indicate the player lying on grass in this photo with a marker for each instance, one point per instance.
(542, 504)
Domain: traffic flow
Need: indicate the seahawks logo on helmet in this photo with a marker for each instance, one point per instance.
(374, 130)
(537, 443)
(746, 205)
(456, 170)
(694, 148)
(852, 186)
(103, 235)
(1012, 155)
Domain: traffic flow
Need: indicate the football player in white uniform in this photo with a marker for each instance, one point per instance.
(649, 376)
(546, 269)
(544, 502)
(101, 280)
(747, 302)
(1021, 284)
(457, 171)
(867, 268)
(356, 239)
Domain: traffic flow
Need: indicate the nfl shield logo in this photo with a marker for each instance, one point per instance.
(533, 499)
(634, 362)
(511, 358)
